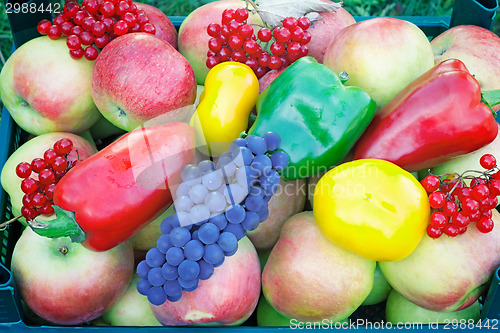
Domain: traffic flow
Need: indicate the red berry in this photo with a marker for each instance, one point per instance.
(290, 23)
(63, 146)
(260, 71)
(456, 186)
(137, 28)
(43, 27)
(450, 230)
(91, 53)
(91, 6)
(38, 199)
(58, 20)
(132, 7)
(213, 29)
(496, 175)
(477, 181)
(281, 34)
(227, 15)
(430, 183)
(434, 232)
(108, 23)
(293, 49)
(274, 62)
(143, 19)
(233, 26)
(464, 193)
(224, 54)
(38, 164)
(60, 164)
(99, 29)
(238, 56)
(450, 208)
(480, 192)
(264, 59)
(23, 170)
(250, 46)
(437, 199)
(29, 213)
(66, 28)
(244, 31)
(88, 22)
(121, 8)
(462, 230)
(485, 225)
(264, 35)
(304, 51)
(306, 38)
(252, 63)
(49, 190)
(488, 203)
(79, 16)
(224, 31)
(277, 49)
(46, 209)
(46, 177)
(107, 9)
(86, 38)
(486, 213)
(70, 9)
(102, 41)
(27, 201)
(211, 62)
(130, 19)
(297, 34)
(470, 206)
(494, 187)
(241, 14)
(488, 161)
(438, 219)
(76, 54)
(303, 22)
(120, 28)
(460, 220)
(76, 30)
(54, 32)
(475, 216)
(214, 44)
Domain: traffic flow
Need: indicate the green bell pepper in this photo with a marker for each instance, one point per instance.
(318, 119)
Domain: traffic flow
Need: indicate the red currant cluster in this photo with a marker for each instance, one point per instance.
(234, 40)
(456, 205)
(95, 22)
(50, 169)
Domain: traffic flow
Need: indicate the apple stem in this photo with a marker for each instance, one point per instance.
(4, 225)
(64, 225)
(491, 98)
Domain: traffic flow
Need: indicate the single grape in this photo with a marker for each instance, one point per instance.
(182, 190)
(169, 272)
(228, 242)
(194, 235)
(174, 298)
(193, 288)
(235, 194)
(191, 175)
(208, 233)
(183, 204)
(199, 213)
(155, 258)
(143, 269)
(229, 169)
(179, 236)
(206, 270)
(270, 182)
(174, 256)
(254, 203)
(273, 140)
(213, 180)
(188, 270)
(279, 160)
(197, 193)
(215, 202)
(235, 229)
(219, 220)
(194, 250)
(256, 144)
(206, 166)
(188, 284)
(251, 221)
(235, 214)
(213, 254)
(262, 164)
(172, 288)
(168, 224)
(143, 287)
(155, 277)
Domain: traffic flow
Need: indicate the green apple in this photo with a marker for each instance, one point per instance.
(103, 129)
(400, 310)
(132, 309)
(381, 289)
(147, 237)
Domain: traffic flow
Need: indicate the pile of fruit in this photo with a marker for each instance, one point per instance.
(268, 161)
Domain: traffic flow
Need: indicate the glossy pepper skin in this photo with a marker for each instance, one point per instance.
(107, 198)
(316, 116)
(231, 91)
(373, 208)
(436, 118)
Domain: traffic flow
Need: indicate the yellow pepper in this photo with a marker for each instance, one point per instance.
(373, 208)
(231, 91)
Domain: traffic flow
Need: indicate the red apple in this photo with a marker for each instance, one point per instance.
(139, 78)
(66, 284)
(46, 90)
(164, 27)
(324, 30)
(228, 297)
(193, 36)
(30, 150)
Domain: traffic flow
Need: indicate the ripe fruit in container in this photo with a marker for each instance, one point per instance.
(228, 297)
(45, 90)
(164, 27)
(66, 284)
(305, 272)
(193, 36)
(380, 65)
(140, 77)
(448, 273)
(35, 148)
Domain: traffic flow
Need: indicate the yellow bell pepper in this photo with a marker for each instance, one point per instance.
(373, 208)
(231, 91)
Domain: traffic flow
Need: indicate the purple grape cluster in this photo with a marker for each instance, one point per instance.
(216, 204)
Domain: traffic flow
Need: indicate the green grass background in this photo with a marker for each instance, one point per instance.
(355, 7)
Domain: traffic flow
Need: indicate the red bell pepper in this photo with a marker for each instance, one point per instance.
(107, 198)
(439, 116)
